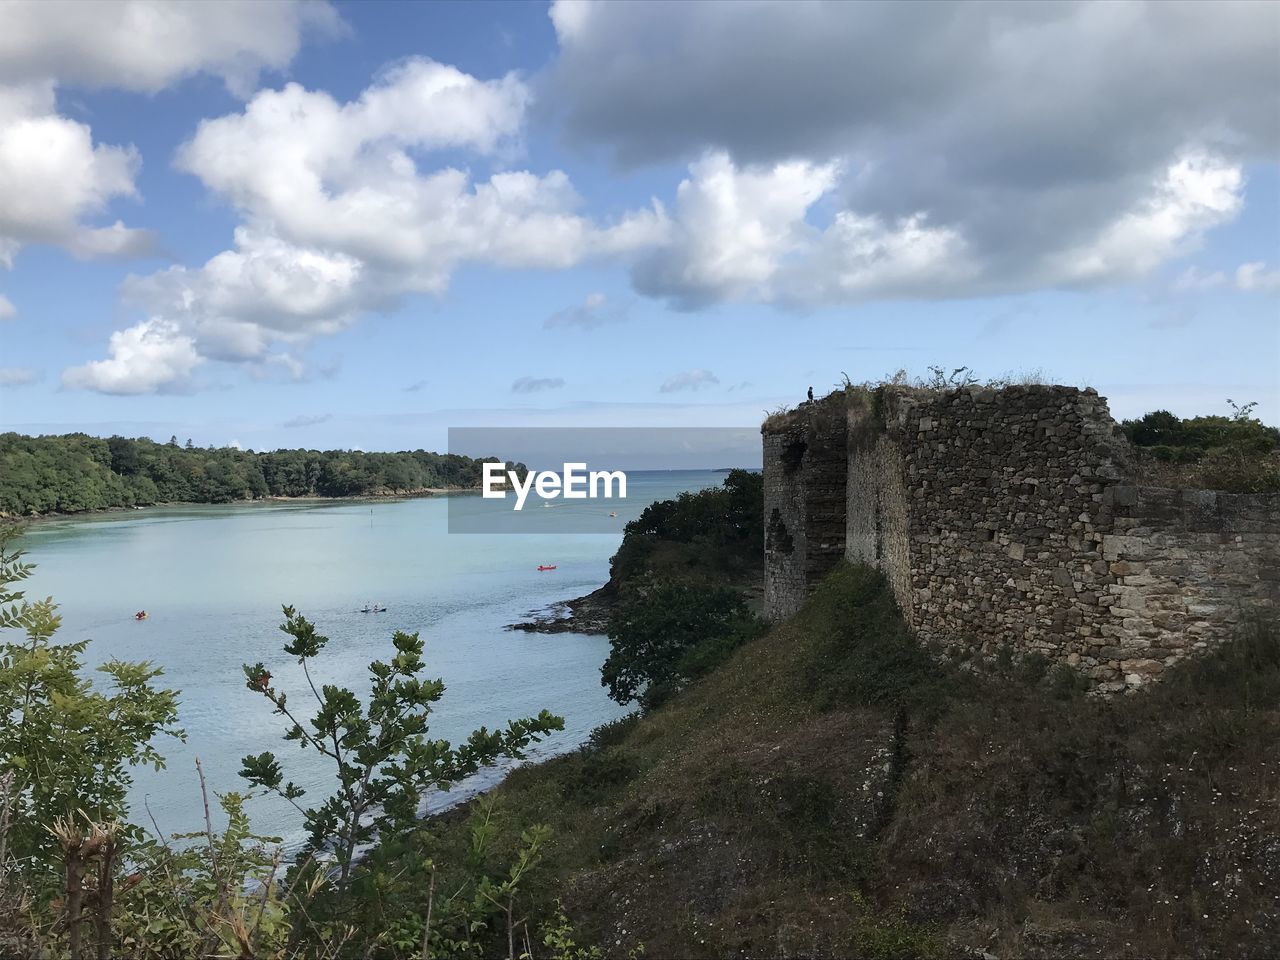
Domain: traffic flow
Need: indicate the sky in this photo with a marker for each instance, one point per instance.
(357, 225)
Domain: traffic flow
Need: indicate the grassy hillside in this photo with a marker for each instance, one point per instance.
(832, 791)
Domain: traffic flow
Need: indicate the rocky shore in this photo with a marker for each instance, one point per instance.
(588, 614)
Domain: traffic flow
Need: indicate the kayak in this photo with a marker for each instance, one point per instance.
(546, 566)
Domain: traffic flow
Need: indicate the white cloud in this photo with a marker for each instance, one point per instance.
(745, 234)
(1252, 277)
(536, 384)
(1197, 192)
(264, 289)
(733, 228)
(339, 219)
(343, 177)
(290, 146)
(862, 257)
(688, 380)
(7, 310)
(147, 45)
(53, 176)
(149, 356)
(1256, 276)
(595, 311)
(17, 376)
(987, 147)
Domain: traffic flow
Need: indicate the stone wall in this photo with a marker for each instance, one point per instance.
(1006, 518)
(805, 470)
(1187, 564)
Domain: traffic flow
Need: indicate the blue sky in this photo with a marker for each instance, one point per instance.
(356, 225)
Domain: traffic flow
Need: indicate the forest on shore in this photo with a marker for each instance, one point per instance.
(75, 473)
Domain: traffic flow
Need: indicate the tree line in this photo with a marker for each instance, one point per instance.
(75, 472)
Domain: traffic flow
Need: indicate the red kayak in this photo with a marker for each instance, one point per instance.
(545, 567)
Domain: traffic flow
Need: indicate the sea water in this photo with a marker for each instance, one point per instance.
(213, 578)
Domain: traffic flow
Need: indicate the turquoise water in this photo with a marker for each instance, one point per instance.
(213, 578)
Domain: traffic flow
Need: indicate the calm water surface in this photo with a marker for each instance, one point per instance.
(213, 579)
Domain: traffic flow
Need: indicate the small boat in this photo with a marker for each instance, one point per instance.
(546, 566)
(613, 513)
(140, 615)
(374, 608)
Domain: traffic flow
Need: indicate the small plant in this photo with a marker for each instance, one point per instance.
(1242, 413)
(777, 415)
(211, 894)
(893, 937)
(383, 761)
(957, 378)
(1033, 667)
(501, 894)
(558, 936)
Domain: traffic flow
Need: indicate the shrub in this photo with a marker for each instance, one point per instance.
(670, 632)
(1238, 454)
(717, 532)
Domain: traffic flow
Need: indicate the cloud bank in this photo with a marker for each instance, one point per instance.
(923, 150)
(910, 151)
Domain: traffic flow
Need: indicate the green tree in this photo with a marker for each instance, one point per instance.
(669, 632)
(716, 534)
(67, 743)
(383, 759)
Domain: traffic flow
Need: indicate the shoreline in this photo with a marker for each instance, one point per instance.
(586, 614)
(419, 494)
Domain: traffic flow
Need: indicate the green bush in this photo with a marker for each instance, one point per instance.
(669, 632)
(1238, 454)
(717, 533)
(866, 654)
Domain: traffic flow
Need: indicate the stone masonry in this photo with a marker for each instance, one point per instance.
(1008, 518)
(806, 462)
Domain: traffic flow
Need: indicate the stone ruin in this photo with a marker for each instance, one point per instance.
(1011, 518)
